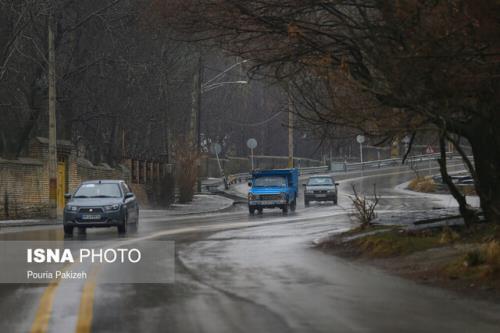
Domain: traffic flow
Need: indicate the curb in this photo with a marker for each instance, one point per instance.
(225, 208)
(46, 222)
(28, 223)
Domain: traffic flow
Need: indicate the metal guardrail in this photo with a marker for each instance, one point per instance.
(313, 170)
(345, 167)
(238, 178)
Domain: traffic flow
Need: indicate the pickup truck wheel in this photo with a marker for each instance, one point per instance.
(335, 201)
(251, 210)
(285, 209)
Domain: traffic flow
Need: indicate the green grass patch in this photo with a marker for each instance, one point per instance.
(361, 230)
(395, 242)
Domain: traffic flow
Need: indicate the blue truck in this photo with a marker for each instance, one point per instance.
(273, 189)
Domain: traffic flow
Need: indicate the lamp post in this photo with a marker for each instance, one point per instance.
(52, 163)
(200, 88)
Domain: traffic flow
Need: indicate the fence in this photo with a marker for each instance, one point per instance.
(146, 172)
(345, 167)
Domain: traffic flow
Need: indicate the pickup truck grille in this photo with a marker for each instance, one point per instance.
(320, 192)
(270, 197)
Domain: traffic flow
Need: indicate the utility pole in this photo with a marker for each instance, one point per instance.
(195, 124)
(290, 130)
(52, 163)
(194, 130)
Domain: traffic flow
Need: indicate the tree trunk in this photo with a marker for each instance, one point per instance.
(486, 151)
(468, 214)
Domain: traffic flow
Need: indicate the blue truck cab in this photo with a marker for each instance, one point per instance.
(273, 189)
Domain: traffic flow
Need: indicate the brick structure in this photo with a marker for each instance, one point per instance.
(23, 188)
(24, 182)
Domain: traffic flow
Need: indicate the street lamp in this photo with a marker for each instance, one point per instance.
(221, 74)
(201, 88)
(207, 87)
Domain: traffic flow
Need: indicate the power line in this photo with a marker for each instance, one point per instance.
(254, 124)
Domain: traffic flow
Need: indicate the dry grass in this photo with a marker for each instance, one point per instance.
(492, 253)
(479, 264)
(468, 190)
(448, 236)
(464, 259)
(423, 184)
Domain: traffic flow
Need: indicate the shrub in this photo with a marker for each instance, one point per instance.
(473, 258)
(423, 184)
(364, 209)
(162, 193)
(468, 190)
(492, 253)
(448, 236)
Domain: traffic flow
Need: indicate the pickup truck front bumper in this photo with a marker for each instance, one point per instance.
(267, 203)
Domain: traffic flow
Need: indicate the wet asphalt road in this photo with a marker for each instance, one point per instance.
(241, 273)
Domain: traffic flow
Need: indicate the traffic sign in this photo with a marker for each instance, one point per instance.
(252, 143)
(360, 139)
(429, 150)
(216, 148)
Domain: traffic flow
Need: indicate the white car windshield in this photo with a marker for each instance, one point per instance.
(317, 181)
(98, 191)
(272, 181)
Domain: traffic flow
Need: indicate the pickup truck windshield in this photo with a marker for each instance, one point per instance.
(98, 191)
(274, 181)
(320, 181)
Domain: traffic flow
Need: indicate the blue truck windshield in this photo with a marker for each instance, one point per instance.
(272, 181)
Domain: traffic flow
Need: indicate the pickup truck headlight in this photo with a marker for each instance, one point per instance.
(252, 196)
(71, 208)
(309, 191)
(112, 207)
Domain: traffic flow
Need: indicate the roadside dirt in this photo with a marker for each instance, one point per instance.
(442, 266)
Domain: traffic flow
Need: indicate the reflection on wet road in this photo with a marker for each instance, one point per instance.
(241, 273)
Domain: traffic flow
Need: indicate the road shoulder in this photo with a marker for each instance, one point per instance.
(458, 259)
(201, 204)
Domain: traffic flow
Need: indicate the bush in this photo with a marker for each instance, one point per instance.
(162, 193)
(423, 184)
(488, 254)
(364, 209)
(448, 236)
(473, 258)
(492, 253)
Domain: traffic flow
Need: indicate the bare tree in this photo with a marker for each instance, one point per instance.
(409, 65)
